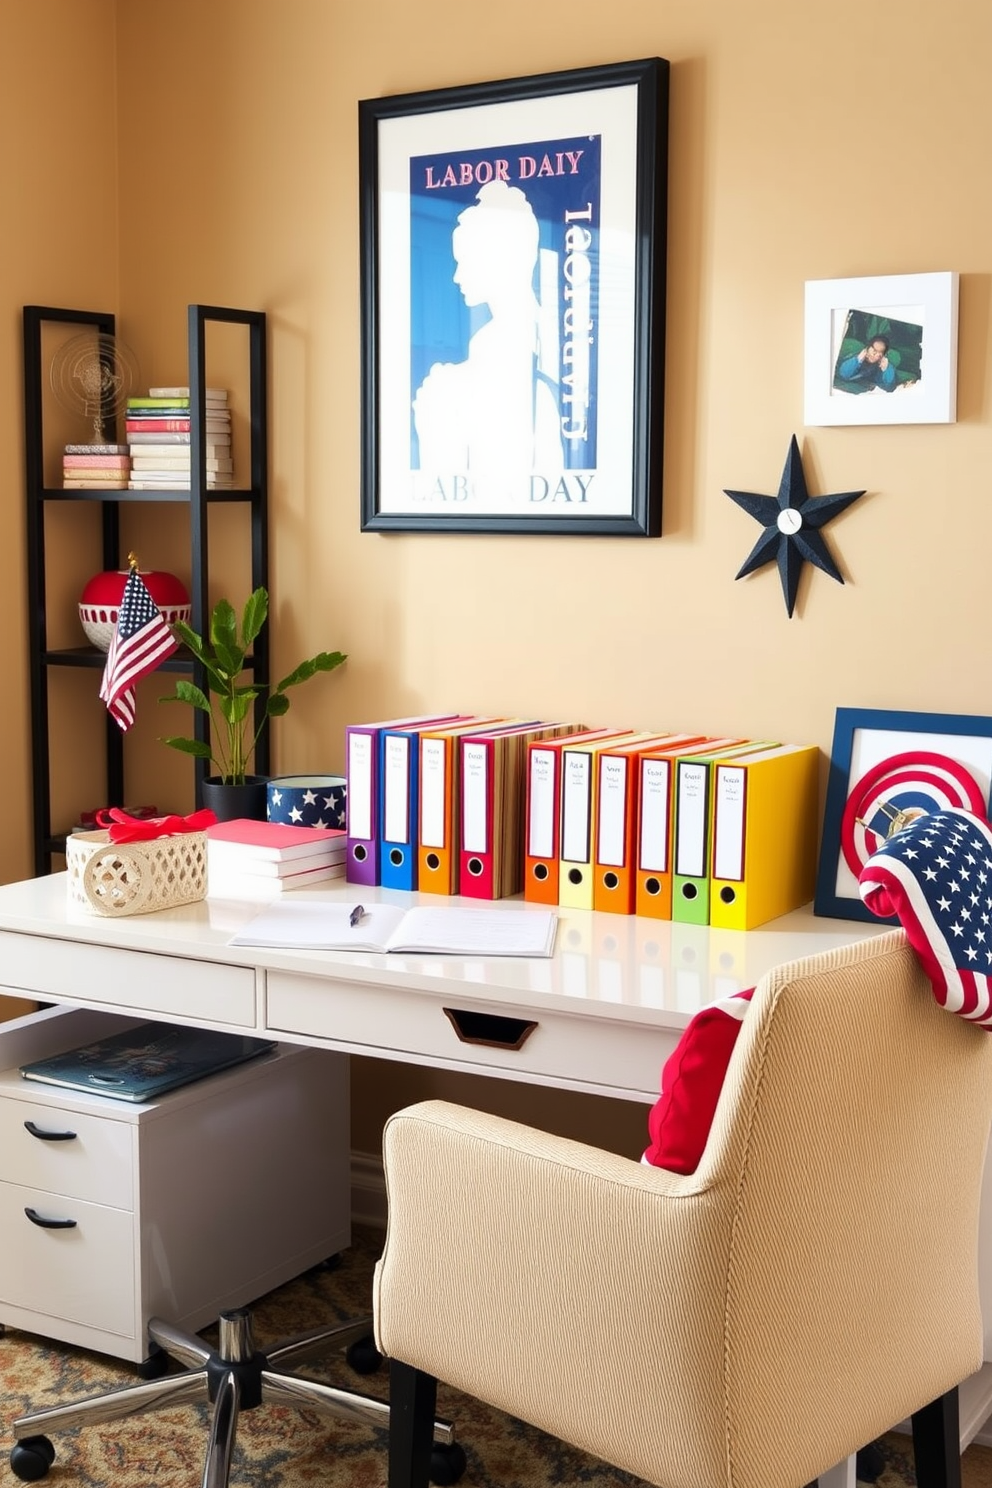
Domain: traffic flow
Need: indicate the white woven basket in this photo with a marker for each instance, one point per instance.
(126, 878)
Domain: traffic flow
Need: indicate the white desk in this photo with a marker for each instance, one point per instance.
(613, 980)
(606, 1009)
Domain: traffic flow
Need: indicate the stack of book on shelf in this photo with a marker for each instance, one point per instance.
(158, 433)
(96, 467)
(262, 859)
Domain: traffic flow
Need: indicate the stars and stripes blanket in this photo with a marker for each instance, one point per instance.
(936, 876)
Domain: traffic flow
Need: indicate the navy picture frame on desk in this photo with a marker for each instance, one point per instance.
(882, 764)
(513, 267)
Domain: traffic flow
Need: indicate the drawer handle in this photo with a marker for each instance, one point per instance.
(49, 1136)
(50, 1224)
(492, 1029)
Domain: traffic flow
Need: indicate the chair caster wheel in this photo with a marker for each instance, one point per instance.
(447, 1464)
(31, 1458)
(364, 1358)
(155, 1364)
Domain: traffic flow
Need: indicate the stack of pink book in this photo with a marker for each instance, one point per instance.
(261, 859)
(96, 467)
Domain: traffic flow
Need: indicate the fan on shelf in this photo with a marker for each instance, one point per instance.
(93, 374)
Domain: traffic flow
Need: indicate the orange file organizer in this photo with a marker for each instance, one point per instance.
(440, 776)
(617, 786)
(542, 810)
(765, 812)
(493, 766)
(578, 819)
(655, 845)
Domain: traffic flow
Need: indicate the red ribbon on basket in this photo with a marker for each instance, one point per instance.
(124, 828)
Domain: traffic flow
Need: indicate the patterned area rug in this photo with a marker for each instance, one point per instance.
(279, 1447)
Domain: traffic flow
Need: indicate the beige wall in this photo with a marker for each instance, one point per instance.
(58, 183)
(806, 142)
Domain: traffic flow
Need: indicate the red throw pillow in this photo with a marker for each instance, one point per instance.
(936, 876)
(691, 1081)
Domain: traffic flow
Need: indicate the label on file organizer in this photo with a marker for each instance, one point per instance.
(575, 806)
(359, 785)
(432, 793)
(655, 795)
(396, 789)
(690, 821)
(541, 821)
(728, 822)
(475, 775)
(612, 810)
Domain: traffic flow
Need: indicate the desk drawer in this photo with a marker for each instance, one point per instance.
(84, 1274)
(171, 986)
(95, 1163)
(588, 1053)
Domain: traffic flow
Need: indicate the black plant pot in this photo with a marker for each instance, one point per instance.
(229, 802)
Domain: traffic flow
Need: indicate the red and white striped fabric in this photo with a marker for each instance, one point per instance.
(936, 877)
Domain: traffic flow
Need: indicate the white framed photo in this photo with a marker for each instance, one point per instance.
(882, 350)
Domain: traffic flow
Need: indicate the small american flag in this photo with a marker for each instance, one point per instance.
(140, 642)
(936, 876)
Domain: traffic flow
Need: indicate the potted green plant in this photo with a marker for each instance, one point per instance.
(229, 701)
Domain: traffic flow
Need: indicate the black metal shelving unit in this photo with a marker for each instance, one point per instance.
(44, 660)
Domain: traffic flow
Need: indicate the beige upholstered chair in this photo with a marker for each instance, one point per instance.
(749, 1326)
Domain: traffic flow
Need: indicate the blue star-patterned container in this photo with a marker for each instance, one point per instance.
(307, 800)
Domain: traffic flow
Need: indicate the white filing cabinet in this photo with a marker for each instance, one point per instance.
(200, 1201)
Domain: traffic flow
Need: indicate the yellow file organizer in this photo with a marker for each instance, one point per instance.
(765, 809)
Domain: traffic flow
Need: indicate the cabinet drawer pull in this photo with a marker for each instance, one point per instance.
(49, 1136)
(493, 1029)
(50, 1224)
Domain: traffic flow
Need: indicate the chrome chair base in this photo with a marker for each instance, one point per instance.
(232, 1378)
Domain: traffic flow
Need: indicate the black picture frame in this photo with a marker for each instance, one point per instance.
(527, 394)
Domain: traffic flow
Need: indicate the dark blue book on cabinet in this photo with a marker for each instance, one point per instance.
(144, 1062)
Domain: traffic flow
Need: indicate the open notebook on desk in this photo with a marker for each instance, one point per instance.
(447, 930)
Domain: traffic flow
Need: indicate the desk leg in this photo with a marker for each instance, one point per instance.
(841, 1476)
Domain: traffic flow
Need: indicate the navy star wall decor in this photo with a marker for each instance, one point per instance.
(791, 522)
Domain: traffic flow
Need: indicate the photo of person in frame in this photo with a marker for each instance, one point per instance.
(878, 354)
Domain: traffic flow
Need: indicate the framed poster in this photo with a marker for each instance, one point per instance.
(886, 768)
(513, 292)
(882, 351)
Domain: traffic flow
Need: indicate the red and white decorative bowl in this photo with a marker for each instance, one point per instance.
(100, 602)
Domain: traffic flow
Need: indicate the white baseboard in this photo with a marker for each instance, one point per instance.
(368, 1190)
